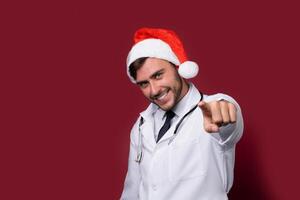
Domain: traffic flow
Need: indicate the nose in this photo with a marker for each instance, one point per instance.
(154, 89)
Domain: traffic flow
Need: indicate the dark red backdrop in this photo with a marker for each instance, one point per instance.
(68, 106)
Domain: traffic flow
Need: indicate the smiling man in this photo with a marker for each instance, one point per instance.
(182, 146)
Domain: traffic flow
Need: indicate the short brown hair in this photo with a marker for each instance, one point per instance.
(136, 65)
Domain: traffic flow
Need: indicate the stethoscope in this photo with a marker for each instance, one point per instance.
(140, 144)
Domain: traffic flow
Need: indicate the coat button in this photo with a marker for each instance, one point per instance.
(154, 187)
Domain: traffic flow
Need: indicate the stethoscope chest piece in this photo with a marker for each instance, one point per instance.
(139, 157)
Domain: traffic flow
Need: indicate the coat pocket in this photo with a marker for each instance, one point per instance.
(185, 161)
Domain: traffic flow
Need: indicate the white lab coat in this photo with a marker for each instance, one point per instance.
(196, 165)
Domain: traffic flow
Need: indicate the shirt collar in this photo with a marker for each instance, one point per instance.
(187, 102)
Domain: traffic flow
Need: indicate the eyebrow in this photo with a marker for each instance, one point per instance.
(141, 82)
(156, 73)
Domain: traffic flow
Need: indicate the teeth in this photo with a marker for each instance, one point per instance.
(163, 96)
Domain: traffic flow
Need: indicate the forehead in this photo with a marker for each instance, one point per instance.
(150, 66)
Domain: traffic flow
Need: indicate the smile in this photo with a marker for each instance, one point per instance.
(162, 98)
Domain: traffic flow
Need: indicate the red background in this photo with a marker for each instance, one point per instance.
(67, 105)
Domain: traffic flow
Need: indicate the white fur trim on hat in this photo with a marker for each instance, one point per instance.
(155, 48)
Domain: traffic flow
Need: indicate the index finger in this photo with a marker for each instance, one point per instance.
(204, 107)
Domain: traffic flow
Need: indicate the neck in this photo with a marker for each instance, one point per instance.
(184, 89)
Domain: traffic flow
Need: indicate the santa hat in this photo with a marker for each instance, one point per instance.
(163, 44)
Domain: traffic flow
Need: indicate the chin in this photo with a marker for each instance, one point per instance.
(167, 107)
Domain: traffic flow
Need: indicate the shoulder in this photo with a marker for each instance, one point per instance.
(145, 114)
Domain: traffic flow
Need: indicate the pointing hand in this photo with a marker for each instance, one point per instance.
(217, 114)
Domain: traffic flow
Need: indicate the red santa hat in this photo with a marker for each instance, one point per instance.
(163, 44)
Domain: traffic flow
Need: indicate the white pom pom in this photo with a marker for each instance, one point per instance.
(188, 69)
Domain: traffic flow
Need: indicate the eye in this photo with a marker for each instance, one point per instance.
(158, 75)
(143, 84)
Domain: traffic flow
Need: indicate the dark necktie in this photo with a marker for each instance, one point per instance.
(170, 114)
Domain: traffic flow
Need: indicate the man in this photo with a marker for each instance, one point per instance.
(182, 146)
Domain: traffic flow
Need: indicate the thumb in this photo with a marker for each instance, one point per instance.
(211, 128)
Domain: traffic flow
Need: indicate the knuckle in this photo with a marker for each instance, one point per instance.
(222, 102)
(232, 106)
(213, 103)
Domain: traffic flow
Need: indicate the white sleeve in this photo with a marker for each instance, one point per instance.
(133, 178)
(229, 135)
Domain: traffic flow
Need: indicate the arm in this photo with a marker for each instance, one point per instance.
(132, 180)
